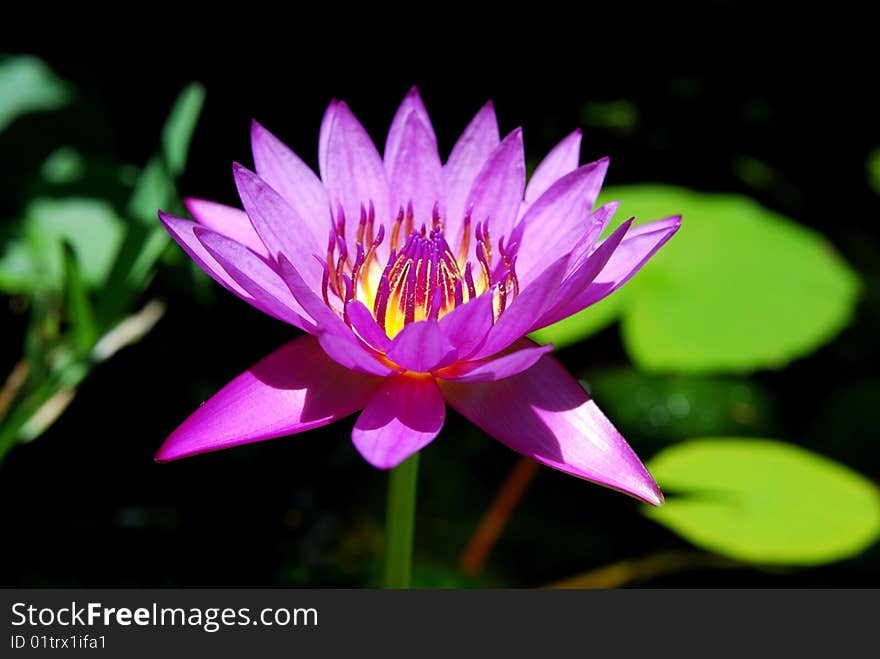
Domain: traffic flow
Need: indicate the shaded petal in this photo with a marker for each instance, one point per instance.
(421, 347)
(401, 419)
(531, 303)
(415, 171)
(229, 221)
(411, 104)
(278, 225)
(296, 388)
(525, 354)
(324, 137)
(355, 174)
(558, 219)
(545, 414)
(599, 219)
(468, 156)
(335, 337)
(467, 325)
(561, 160)
(365, 325)
(581, 277)
(256, 277)
(294, 180)
(499, 187)
(637, 247)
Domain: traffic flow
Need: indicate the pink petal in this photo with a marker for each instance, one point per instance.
(468, 156)
(412, 104)
(415, 171)
(581, 277)
(531, 303)
(327, 122)
(401, 419)
(365, 325)
(279, 226)
(296, 388)
(499, 187)
(637, 247)
(525, 354)
(335, 337)
(355, 174)
(558, 219)
(561, 160)
(545, 414)
(229, 221)
(256, 277)
(467, 325)
(285, 172)
(421, 347)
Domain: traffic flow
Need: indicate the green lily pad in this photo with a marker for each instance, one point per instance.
(737, 289)
(765, 502)
(28, 85)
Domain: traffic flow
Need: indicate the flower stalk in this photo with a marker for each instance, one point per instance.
(400, 523)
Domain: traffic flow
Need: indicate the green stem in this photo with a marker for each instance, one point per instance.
(400, 523)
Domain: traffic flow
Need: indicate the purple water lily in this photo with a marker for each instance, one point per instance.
(416, 282)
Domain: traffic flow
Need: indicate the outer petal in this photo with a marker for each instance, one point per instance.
(558, 219)
(327, 122)
(335, 337)
(256, 277)
(523, 356)
(401, 419)
(354, 174)
(637, 247)
(561, 160)
(296, 388)
(468, 156)
(415, 171)
(278, 224)
(498, 190)
(366, 326)
(545, 414)
(421, 347)
(412, 104)
(229, 221)
(284, 171)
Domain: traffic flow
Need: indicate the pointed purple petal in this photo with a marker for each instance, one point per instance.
(285, 172)
(581, 277)
(531, 303)
(467, 325)
(561, 160)
(412, 104)
(335, 337)
(558, 219)
(355, 174)
(296, 388)
(256, 277)
(365, 325)
(525, 355)
(327, 122)
(637, 247)
(421, 347)
(545, 414)
(401, 419)
(415, 171)
(468, 156)
(229, 221)
(279, 226)
(499, 187)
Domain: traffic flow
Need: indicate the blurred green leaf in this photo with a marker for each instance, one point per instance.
(874, 170)
(765, 501)
(180, 126)
(664, 408)
(585, 323)
(63, 166)
(28, 85)
(79, 307)
(18, 269)
(739, 288)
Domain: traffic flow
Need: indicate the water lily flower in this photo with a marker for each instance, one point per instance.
(415, 282)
